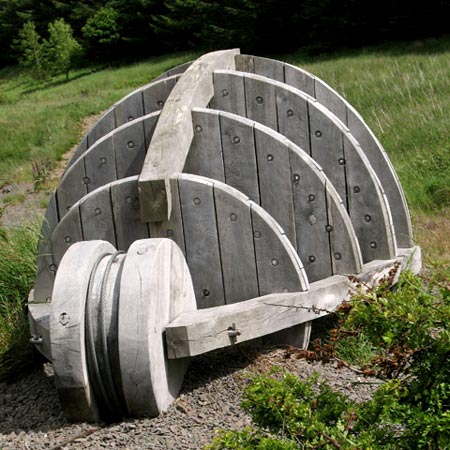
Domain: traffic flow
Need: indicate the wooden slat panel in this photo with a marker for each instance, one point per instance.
(344, 247)
(239, 155)
(100, 164)
(129, 149)
(327, 146)
(171, 228)
(82, 147)
(279, 267)
(308, 189)
(229, 92)
(67, 233)
(205, 155)
(245, 63)
(261, 102)
(202, 242)
(269, 68)
(293, 120)
(329, 98)
(129, 108)
(97, 216)
(72, 187)
(300, 79)
(150, 122)
(368, 208)
(126, 212)
(275, 184)
(155, 94)
(105, 124)
(236, 244)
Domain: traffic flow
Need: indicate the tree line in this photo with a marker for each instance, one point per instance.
(104, 30)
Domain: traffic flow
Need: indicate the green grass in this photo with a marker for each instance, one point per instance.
(402, 91)
(43, 119)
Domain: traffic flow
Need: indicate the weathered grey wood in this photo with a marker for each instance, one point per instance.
(129, 149)
(386, 173)
(105, 124)
(279, 267)
(269, 68)
(198, 332)
(39, 319)
(67, 232)
(82, 147)
(100, 164)
(71, 187)
(67, 330)
(126, 213)
(293, 119)
(174, 71)
(275, 180)
(129, 108)
(155, 288)
(229, 93)
(311, 220)
(345, 250)
(174, 132)
(237, 251)
(368, 205)
(171, 228)
(245, 63)
(155, 94)
(261, 101)
(202, 241)
(239, 156)
(97, 216)
(329, 98)
(150, 122)
(327, 146)
(205, 154)
(300, 79)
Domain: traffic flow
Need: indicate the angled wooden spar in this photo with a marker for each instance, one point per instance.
(173, 135)
(328, 97)
(302, 119)
(262, 164)
(142, 101)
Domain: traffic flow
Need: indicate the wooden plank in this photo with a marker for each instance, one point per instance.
(171, 228)
(229, 92)
(126, 213)
(260, 101)
(202, 241)
(39, 318)
(129, 149)
(82, 147)
(344, 246)
(100, 164)
(368, 207)
(67, 330)
(310, 206)
(174, 71)
(105, 124)
(326, 145)
(155, 94)
(329, 98)
(389, 180)
(66, 233)
(205, 155)
(155, 288)
(269, 68)
(129, 108)
(279, 267)
(97, 216)
(239, 155)
(71, 188)
(275, 181)
(174, 131)
(245, 63)
(293, 120)
(150, 122)
(299, 79)
(198, 332)
(237, 251)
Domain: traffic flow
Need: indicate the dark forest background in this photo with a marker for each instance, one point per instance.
(110, 30)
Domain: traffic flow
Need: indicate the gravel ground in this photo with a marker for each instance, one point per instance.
(31, 417)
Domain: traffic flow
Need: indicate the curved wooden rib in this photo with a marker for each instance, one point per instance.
(142, 101)
(284, 180)
(311, 126)
(328, 97)
(170, 144)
